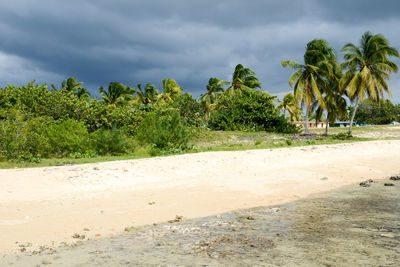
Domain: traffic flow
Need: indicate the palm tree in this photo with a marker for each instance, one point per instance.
(71, 85)
(116, 93)
(82, 93)
(290, 104)
(148, 95)
(310, 80)
(244, 77)
(335, 103)
(209, 99)
(368, 68)
(170, 90)
(305, 85)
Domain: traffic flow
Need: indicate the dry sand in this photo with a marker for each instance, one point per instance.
(45, 205)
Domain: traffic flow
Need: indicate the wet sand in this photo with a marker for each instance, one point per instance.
(353, 226)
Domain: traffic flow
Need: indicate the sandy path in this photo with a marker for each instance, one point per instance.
(42, 205)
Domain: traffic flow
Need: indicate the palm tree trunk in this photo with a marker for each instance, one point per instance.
(326, 127)
(306, 125)
(353, 115)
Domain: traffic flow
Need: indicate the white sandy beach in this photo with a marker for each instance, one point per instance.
(45, 205)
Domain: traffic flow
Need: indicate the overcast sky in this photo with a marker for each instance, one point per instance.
(135, 41)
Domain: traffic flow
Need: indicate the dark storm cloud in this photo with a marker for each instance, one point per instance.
(145, 41)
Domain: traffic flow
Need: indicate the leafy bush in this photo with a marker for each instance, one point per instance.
(110, 142)
(24, 139)
(249, 110)
(165, 131)
(189, 109)
(67, 136)
(383, 112)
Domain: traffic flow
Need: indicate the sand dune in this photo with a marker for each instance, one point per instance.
(45, 205)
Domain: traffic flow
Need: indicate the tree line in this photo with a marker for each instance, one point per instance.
(37, 121)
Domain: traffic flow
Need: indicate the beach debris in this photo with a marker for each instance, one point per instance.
(152, 203)
(366, 183)
(86, 229)
(177, 219)
(395, 178)
(388, 184)
(97, 235)
(276, 209)
(129, 228)
(389, 235)
(324, 178)
(78, 236)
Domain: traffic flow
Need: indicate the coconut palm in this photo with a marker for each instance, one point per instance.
(310, 80)
(209, 100)
(148, 95)
(290, 105)
(116, 94)
(305, 85)
(170, 90)
(244, 77)
(368, 68)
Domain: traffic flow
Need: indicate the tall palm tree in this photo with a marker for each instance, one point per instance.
(148, 95)
(171, 89)
(116, 94)
(290, 105)
(209, 99)
(309, 80)
(244, 77)
(368, 68)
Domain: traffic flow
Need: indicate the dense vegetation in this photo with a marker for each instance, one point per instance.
(40, 122)
(37, 122)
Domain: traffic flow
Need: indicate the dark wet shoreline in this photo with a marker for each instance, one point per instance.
(354, 226)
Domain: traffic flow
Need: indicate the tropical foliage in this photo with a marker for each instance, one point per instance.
(116, 93)
(146, 96)
(244, 78)
(209, 100)
(290, 105)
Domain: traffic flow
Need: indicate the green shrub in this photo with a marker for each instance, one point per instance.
(110, 142)
(249, 110)
(189, 109)
(67, 137)
(165, 131)
(23, 139)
